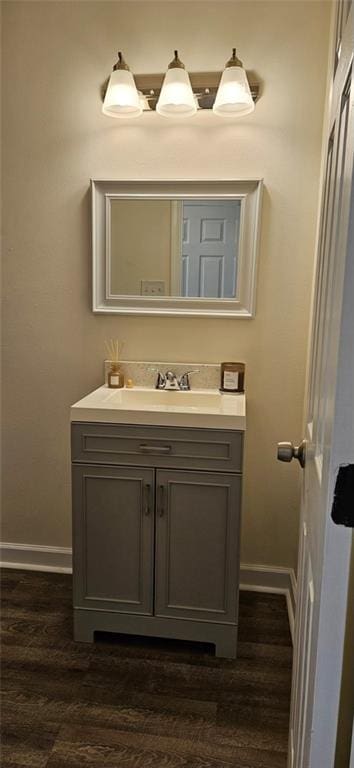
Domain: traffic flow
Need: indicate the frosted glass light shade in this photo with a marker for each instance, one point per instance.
(122, 98)
(233, 96)
(176, 97)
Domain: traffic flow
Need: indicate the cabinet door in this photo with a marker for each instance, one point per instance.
(197, 545)
(113, 516)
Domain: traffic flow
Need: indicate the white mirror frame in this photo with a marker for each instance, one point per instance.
(243, 305)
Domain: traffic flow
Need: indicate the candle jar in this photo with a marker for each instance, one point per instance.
(232, 377)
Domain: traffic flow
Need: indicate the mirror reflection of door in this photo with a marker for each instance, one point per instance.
(207, 248)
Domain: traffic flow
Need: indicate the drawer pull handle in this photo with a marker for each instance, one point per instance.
(156, 449)
(147, 498)
(161, 505)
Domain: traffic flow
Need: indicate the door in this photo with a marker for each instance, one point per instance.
(210, 243)
(197, 544)
(329, 443)
(113, 509)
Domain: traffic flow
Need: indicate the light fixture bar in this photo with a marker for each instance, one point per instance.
(204, 86)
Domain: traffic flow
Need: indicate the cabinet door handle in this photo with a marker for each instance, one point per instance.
(157, 449)
(161, 500)
(147, 498)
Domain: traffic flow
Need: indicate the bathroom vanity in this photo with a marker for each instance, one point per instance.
(156, 514)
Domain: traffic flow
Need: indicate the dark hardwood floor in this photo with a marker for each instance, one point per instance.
(138, 703)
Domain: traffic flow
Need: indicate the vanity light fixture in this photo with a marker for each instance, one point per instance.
(176, 97)
(234, 95)
(179, 94)
(122, 98)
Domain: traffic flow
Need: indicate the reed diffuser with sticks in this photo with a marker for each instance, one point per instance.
(115, 375)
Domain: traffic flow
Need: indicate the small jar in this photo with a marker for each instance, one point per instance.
(115, 377)
(232, 377)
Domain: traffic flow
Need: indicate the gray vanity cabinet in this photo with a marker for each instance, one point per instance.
(156, 519)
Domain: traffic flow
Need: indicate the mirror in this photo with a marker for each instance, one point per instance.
(175, 247)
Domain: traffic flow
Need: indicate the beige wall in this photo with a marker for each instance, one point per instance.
(56, 56)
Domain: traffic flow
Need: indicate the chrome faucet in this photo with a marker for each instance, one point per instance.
(169, 380)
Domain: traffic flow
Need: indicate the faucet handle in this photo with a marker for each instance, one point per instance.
(160, 381)
(183, 380)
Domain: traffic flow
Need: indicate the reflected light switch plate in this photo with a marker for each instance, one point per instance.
(153, 288)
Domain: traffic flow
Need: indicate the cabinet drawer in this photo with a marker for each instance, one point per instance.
(219, 450)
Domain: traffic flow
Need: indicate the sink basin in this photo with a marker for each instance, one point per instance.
(168, 398)
(201, 407)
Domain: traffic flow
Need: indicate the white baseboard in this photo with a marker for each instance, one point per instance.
(31, 557)
(257, 578)
(267, 578)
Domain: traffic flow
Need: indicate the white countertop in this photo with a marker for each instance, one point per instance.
(205, 408)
